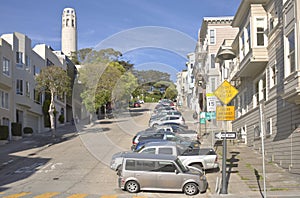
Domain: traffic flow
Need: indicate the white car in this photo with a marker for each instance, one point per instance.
(168, 119)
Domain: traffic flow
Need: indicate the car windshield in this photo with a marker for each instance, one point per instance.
(181, 166)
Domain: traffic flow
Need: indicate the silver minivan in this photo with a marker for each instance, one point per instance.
(159, 173)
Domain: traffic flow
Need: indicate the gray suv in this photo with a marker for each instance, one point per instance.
(159, 173)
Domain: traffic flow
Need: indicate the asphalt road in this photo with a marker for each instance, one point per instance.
(78, 167)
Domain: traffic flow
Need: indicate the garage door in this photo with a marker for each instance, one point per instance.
(33, 122)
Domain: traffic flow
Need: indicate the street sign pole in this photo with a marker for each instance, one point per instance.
(225, 92)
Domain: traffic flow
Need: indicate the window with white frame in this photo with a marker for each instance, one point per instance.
(6, 66)
(19, 59)
(4, 100)
(269, 127)
(212, 37)
(19, 87)
(27, 89)
(37, 96)
(260, 90)
(291, 51)
(273, 75)
(260, 32)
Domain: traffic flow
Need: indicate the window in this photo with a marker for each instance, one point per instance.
(27, 89)
(212, 61)
(269, 127)
(67, 22)
(166, 167)
(36, 70)
(4, 100)
(291, 51)
(273, 75)
(6, 66)
(19, 59)
(212, 37)
(256, 132)
(256, 94)
(5, 121)
(149, 150)
(37, 96)
(264, 88)
(27, 63)
(165, 151)
(260, 32)
(19, 87)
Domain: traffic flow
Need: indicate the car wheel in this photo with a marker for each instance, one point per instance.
(190, 189)
(132, 186)
(199, 166)
(154, 125)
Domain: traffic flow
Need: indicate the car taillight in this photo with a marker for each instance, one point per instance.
(216, 160)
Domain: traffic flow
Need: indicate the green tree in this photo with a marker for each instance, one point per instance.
(171, 92)
(55, 80)
(101, 75)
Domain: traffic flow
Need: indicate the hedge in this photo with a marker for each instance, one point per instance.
(4, 132)
(16, 129)
(27, 130)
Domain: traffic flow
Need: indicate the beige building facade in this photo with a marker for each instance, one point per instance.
(267, 74)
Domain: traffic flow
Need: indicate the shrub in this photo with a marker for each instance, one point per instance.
(61, 118)
(27, 130)
(16, 129)
(3, 132)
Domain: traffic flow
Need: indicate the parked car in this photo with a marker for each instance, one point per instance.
(134, 104)
(161, 173)
(168, 119)
(164, 113)
(181, 131)
(179, 140)
(144, 135)
(202, 158)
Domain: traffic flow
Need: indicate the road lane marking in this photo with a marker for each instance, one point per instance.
(47, 195)
(109, 196)
(78, 196)
(18, 195)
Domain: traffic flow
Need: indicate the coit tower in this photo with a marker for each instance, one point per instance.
(69, 32)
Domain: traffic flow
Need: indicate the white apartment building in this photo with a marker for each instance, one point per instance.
(266, 72)
(6, 83)
(20, 63)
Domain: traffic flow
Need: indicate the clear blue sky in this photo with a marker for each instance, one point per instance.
(99, 20)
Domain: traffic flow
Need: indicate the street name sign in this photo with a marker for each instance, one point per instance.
(226, 92)
(228, 135)
(225, 113)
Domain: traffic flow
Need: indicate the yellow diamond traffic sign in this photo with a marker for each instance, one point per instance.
(226, 92)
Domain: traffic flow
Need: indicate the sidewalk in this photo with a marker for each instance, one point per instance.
(244, 171)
